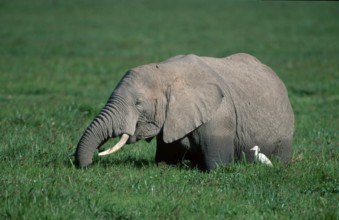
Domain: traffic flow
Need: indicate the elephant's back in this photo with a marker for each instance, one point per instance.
(246, 76)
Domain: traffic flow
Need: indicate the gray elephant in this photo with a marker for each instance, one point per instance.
(210, 111)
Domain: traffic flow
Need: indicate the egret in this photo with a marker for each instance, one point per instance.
(261, 157)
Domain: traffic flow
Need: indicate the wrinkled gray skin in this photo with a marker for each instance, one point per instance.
(210, 111)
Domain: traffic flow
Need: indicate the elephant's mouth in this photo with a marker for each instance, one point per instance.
(134, 139)
(145, 131)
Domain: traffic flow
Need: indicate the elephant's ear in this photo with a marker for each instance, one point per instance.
(193, 99)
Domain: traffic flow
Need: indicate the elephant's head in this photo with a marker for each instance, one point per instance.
(175, 96)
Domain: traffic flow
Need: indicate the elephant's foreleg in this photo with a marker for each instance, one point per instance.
(216, 151)
(216, 141)
(171, 153)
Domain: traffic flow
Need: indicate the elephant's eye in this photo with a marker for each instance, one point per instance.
(138, 105)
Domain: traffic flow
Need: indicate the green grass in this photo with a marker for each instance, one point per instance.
(60, 60)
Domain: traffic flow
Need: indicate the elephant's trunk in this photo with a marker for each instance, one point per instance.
(97, 133)
(111, 122)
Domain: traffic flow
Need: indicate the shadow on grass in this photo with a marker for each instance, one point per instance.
(137, 163)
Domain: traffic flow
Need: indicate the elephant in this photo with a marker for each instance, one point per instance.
(209, 111)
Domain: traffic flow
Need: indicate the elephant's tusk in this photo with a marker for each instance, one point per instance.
(116, 147)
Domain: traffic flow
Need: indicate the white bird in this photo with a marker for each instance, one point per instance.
(261, 157)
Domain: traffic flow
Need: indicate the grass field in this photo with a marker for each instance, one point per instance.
(60, 60)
